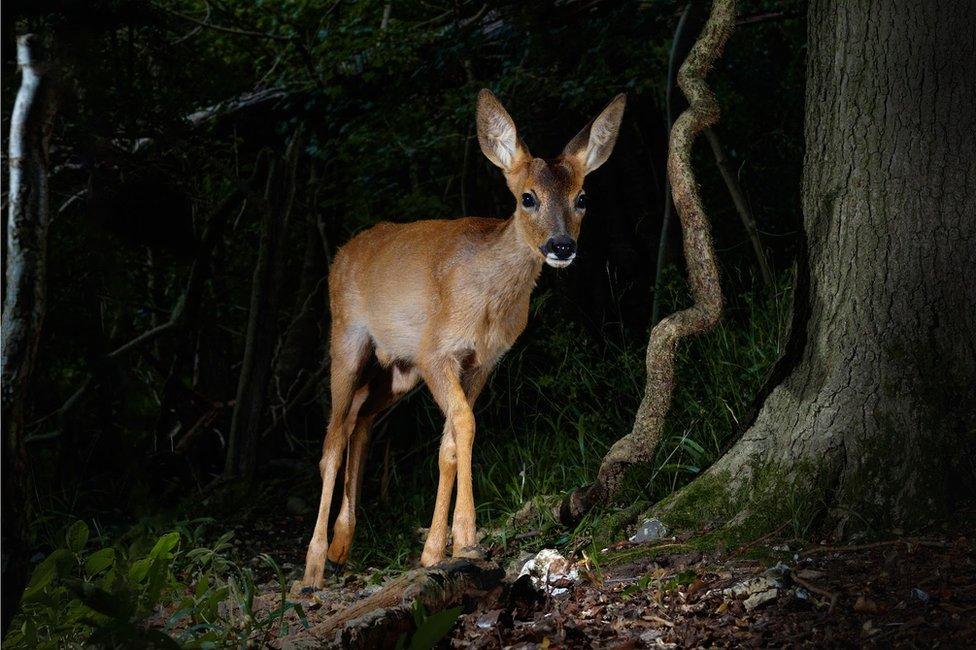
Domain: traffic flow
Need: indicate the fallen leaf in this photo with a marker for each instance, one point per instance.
(865, 606)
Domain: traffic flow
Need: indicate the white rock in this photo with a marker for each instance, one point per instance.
(761, 589)
(550, 572)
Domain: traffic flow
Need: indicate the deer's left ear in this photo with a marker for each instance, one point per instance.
(592, 146)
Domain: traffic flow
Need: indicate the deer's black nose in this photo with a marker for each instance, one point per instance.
(562, 247)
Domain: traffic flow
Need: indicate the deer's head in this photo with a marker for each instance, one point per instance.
(549, 198)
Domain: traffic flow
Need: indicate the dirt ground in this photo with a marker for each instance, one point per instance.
(904, 593)
(907, 591)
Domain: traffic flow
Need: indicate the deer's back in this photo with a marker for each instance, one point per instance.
(394, 279)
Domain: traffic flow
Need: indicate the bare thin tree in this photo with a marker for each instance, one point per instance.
(23, 306)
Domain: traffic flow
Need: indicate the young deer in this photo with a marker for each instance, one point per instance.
(442, 301)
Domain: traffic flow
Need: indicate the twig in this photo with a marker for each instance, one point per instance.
(745, 214)
(865, 547)
(221, 28)
(833, 596)
(745, 547)
(767, 17)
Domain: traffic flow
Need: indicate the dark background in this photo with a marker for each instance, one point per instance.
(383, 113)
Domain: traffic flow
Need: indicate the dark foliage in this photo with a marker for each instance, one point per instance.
(171, 151)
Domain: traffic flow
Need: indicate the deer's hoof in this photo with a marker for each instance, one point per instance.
(334, 568)
(301, 590)
(471, 553)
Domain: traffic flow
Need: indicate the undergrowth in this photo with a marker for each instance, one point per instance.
(551, 410)
(146, 589)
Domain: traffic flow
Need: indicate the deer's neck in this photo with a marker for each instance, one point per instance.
(513, 269)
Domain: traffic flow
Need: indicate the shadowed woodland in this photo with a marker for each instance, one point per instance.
(205, 160)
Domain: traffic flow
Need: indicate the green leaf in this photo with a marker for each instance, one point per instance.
(139, 570)
(77, 536)
(99, 561)
(116, 606)
(177, 616)
(434, 628)
(41, 577)
(158, 574)
(202, 586)
(164, 545)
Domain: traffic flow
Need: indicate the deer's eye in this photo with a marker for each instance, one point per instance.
(528, 201)
(581, 202)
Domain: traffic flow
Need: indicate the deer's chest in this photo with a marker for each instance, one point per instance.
(495, 325)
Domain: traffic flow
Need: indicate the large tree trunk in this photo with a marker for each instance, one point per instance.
(23, 306)
(877, 409)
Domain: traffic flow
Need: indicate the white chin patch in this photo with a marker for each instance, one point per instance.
(555, 262)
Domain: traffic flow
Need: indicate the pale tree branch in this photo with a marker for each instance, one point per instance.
(25, 262)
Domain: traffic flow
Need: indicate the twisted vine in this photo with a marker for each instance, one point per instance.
(703, 111)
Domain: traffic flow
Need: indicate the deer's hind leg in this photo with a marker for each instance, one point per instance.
(386, 387)
(350, 350)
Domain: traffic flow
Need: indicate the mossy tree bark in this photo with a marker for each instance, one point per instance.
(879, 397)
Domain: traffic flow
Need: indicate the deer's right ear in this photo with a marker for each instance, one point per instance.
(497, 135)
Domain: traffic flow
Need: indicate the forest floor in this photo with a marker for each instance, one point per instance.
(904, 591)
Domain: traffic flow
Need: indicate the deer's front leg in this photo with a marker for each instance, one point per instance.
(472, 383)
(447, 466)
(445, 386)
(464, 526)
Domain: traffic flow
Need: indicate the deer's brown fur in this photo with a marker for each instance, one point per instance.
(442, 301)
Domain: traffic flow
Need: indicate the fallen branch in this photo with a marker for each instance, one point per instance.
(703, 111)
(251, 101)
(379, 620)
(872, 545)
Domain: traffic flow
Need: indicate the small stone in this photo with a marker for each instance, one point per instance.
(759, 598)
(650, 530)
(920, 595)
(802, 594)
(761, 589)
